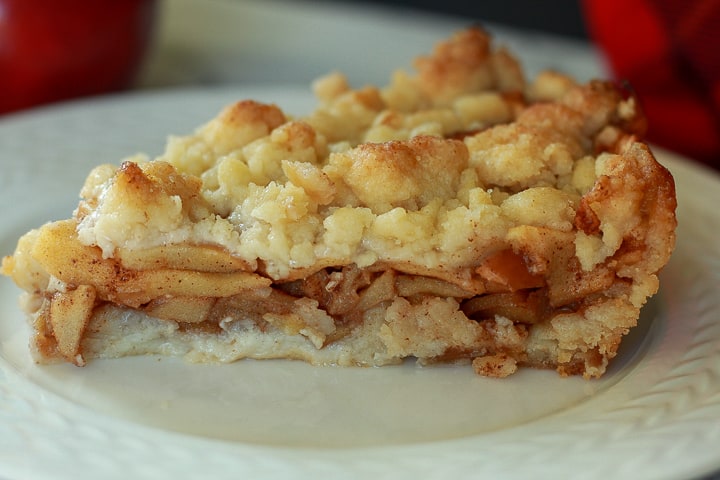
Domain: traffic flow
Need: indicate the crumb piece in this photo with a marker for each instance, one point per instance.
(496, 366)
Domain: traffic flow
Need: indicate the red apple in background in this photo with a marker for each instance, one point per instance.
(59, 49)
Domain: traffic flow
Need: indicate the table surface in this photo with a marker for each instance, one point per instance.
(272, 42)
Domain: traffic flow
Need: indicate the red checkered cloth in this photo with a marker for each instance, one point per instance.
(669, 52)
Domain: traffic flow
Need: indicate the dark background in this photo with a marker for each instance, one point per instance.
(562, 17)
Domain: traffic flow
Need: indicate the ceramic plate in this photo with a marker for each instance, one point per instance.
(653, 415)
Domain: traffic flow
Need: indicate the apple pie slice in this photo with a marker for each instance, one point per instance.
(459, 214)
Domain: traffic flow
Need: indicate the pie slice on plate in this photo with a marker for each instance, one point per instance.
(459, 214)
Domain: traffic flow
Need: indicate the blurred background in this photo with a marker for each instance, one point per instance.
(668, 50)
(561, 17)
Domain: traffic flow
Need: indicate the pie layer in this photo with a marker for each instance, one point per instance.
(458, 214)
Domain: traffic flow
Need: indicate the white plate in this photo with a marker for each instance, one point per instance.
(656, 414)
